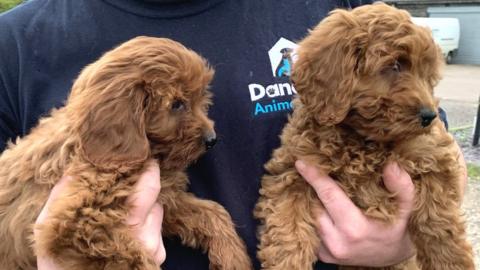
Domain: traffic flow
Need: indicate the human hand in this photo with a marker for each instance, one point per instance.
(351, 238)
(46, 263)
(145, 217)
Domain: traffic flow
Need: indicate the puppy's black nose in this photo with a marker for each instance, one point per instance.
(427, 116)
(210, 140)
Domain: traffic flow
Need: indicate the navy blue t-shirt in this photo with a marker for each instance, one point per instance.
(45, 43)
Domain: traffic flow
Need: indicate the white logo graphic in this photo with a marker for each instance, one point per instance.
(282, 55)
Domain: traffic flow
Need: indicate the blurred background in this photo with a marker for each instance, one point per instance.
(8, 4)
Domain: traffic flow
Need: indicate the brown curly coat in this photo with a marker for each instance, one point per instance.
(363, 77)
(145, 99)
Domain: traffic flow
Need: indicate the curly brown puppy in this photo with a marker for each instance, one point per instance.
(365, 82)
(146, 99)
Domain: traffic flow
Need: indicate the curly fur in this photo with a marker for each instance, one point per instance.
(119, 115)
(362, 78)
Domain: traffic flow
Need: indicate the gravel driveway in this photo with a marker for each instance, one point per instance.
(471, 203)
(459, 94)
(471, 206)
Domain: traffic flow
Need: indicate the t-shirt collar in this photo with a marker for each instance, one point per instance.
(164, 8)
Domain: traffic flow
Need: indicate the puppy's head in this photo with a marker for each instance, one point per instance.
(146, 98)
(370, 69)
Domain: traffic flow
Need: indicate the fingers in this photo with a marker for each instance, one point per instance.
(341, 208)
(325, 255)
(159, 253)
(150, 233)
(324, 223)
(54, 193)
(45, 263)
(337, 204)
(348, 236)
(361, 242)
(146, 215)
(145, 195)
(398, 182)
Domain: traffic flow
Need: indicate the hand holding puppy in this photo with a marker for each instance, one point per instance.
(145, 217)
(351, 238)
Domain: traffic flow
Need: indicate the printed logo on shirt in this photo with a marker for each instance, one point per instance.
(275, 97)
(282, 55)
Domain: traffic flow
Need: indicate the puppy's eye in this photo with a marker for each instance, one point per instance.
(397, 67)
(178, 105)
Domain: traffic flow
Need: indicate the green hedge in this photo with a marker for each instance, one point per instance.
(8, 4)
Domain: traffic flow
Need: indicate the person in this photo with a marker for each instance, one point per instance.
(45, 44)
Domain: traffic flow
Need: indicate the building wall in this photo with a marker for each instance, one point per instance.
(468, 13)
(418, 8)
(469, 18)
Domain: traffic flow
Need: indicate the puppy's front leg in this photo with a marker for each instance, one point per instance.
(85, 228)
(436, 226)
(288, 239)
(205, 224)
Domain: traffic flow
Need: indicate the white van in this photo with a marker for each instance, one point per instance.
(446, 33)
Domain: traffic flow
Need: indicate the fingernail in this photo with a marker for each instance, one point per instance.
(300, 165)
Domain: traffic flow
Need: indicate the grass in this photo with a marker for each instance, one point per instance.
(473, 171)
(453, 129)
(8, 4)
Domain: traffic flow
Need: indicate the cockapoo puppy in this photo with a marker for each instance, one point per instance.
(365, 82)
(146, 99)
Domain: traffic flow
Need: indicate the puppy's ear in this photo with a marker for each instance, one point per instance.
(110, 121)
(325, 74)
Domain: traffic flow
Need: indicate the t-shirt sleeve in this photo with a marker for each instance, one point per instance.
(9, 123)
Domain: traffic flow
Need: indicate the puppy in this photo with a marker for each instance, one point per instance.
(146, 99)
(365, 82)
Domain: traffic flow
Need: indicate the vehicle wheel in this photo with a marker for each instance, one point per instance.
(449, 58)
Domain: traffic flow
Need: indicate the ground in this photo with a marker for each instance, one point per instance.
(8, 4)
(459, 93)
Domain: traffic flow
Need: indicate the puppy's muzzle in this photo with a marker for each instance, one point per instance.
(427, 116)
(210, 139)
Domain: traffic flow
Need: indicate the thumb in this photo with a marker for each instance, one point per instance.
(54, 194)
(398, 182)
